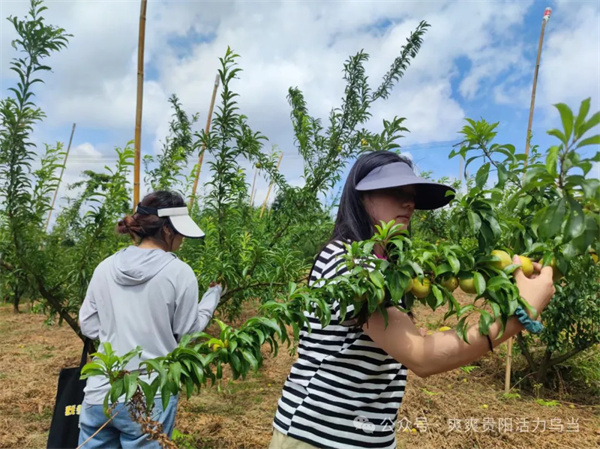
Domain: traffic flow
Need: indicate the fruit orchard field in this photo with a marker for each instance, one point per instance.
(240, 415)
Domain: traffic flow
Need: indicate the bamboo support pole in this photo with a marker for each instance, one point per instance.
(206, 129)
(139, 102)
(264, 206)
(62, 171)
(253, 186)
(547, 13)
(545, 19)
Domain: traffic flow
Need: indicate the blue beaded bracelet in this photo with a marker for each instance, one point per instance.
(532, 326)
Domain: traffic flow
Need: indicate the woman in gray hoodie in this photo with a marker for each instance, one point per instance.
(142, 296)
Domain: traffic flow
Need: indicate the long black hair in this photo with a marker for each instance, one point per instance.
(353, 222)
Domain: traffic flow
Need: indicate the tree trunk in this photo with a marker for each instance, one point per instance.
(16, 300)
(525, 351)
(544, 366)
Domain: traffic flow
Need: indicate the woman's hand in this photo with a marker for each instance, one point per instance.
(221, 284)
(537, 290)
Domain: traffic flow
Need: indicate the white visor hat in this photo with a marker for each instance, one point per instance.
(178, 216)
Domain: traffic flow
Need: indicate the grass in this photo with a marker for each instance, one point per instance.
(240, 415)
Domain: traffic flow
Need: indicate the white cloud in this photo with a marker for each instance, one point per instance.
(570, 67)
(302, 44)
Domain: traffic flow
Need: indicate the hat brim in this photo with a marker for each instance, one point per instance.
(185, 226)
(432, 195)
(429, 194)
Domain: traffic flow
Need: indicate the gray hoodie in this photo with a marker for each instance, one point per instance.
(142, 297)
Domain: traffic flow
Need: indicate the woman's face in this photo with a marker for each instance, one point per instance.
(397, 204)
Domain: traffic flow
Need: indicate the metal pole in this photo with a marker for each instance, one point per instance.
(138, 111)
(206, 129)
(60, 177)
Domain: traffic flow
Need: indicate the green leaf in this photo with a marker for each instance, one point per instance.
(149, 392)
(479, 282)
(584, 108)
(586, 126)
(583, 241)
(485, 321)
(551, 160)
(566, 115)
(474, 220)
(377, 278)
(437, 293)
(250, 359)
(502, 176)
(559, 135)
(454, 263)
(130, 384)
(594, 140)
(552, 219)
(116, 390)
(175, 372)
(575, 222)
(482, 175)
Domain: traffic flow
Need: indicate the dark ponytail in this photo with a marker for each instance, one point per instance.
(140, 226)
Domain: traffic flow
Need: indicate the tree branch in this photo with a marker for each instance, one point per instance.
(525, 351)
(568, 355)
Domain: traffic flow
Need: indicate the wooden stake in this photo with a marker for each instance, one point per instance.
(138, 111)
(206, 129)
(262, 211)
(547, 13)
(60, 177)
(508, 365)
(253, 185)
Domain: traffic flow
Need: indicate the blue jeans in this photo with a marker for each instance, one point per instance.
(122, 431)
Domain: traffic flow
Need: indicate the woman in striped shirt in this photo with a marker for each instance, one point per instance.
(346, 387)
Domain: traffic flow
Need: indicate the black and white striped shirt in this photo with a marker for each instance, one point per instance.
(343, 391)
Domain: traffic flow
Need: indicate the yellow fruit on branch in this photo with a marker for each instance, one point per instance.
(526, 266)
(504, 257)
(467, 285)
(421, 289)
(450, 282)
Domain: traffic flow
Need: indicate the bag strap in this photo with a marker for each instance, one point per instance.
(87, 344)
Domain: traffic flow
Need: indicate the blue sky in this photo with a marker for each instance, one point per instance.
(477, 61)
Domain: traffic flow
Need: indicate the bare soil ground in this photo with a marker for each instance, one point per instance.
(458, 410)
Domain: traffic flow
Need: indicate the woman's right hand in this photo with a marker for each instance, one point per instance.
(537, 290)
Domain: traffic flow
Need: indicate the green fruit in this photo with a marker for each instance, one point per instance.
(451, 283)
(421, 290)
(504, 261)
(467, 285)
